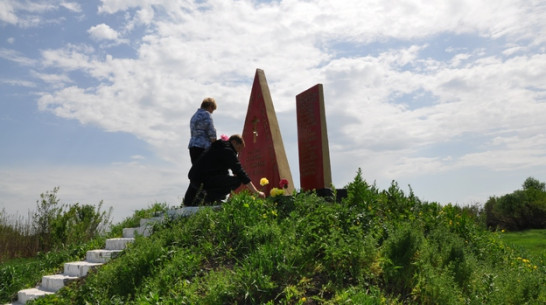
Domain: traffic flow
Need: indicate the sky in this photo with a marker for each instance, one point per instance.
(446, 98)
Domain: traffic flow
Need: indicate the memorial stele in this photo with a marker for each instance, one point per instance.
(264, 155)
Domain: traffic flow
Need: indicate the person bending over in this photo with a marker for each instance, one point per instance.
(209, 176)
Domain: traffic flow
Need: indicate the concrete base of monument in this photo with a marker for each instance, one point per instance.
(329, 194)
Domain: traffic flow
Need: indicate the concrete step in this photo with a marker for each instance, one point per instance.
(79, 269)
(143, 231)
(55, 282)
(95, 258)
(146, 224)
(25, 295)
(151, 221)
(188, 211)
(118, 243)
(101, 256)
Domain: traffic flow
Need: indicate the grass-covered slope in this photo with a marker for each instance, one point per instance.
(376, 247)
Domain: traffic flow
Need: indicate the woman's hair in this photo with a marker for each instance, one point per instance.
(237, 139)
(207, 102)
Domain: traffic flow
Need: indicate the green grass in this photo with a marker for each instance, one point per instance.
(376, 247)
(21, 273)
(533, 241)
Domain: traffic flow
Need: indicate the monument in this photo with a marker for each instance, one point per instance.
(264, 155)
(313, 149)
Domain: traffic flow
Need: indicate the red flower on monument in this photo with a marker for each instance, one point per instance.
(283, 183)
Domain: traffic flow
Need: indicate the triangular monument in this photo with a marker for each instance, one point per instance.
(264, 155)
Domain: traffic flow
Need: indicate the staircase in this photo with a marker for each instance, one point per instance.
(95, 258)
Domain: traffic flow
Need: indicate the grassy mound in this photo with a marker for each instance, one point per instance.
(376, 247)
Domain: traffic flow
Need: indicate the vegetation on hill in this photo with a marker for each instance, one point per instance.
(521, 210)
(53, 226)
(375, 247)
(24, 271)
(55, 233)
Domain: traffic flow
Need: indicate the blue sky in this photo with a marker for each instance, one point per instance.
(95, 97)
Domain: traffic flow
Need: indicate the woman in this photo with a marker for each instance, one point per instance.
(203, 133)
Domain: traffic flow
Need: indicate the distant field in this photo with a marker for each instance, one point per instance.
(533, 241)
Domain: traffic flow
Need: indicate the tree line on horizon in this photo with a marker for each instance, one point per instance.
(51, 226)
(520, 210)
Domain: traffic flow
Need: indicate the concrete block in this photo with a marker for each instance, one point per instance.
(55, 282)
(79, 269)
(132, 232)
(26, 295)
(118, 243)
(188, 211)
(101, 256)
(151, 221)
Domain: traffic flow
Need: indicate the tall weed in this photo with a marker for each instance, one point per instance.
(376, 247)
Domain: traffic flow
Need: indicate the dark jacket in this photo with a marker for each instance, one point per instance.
(216, 161)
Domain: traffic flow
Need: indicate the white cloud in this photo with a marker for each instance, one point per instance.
(56, 80)
(72, 6)
(103, 32)
(17, 57)
(7, 12)
(400, 84)
(194, 47)
(18, 82)
(28, 14)
(36, 7)
(70, 58)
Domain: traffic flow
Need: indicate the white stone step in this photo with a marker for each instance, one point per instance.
(57, 281)
(151, 221)
(79, 269)
(118, 243)
(25, 295)
(95, 258)
(101, 256)
(188, 211)
(143, 231)
(185, 211)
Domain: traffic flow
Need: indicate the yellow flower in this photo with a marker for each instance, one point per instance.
(276, 192)
(264, 181)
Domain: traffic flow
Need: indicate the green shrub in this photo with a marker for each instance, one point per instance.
(520, 210)
(376, 247)
(134, 220)
(26, 273)
(400, 254)
(359, 295)
(57, 225)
